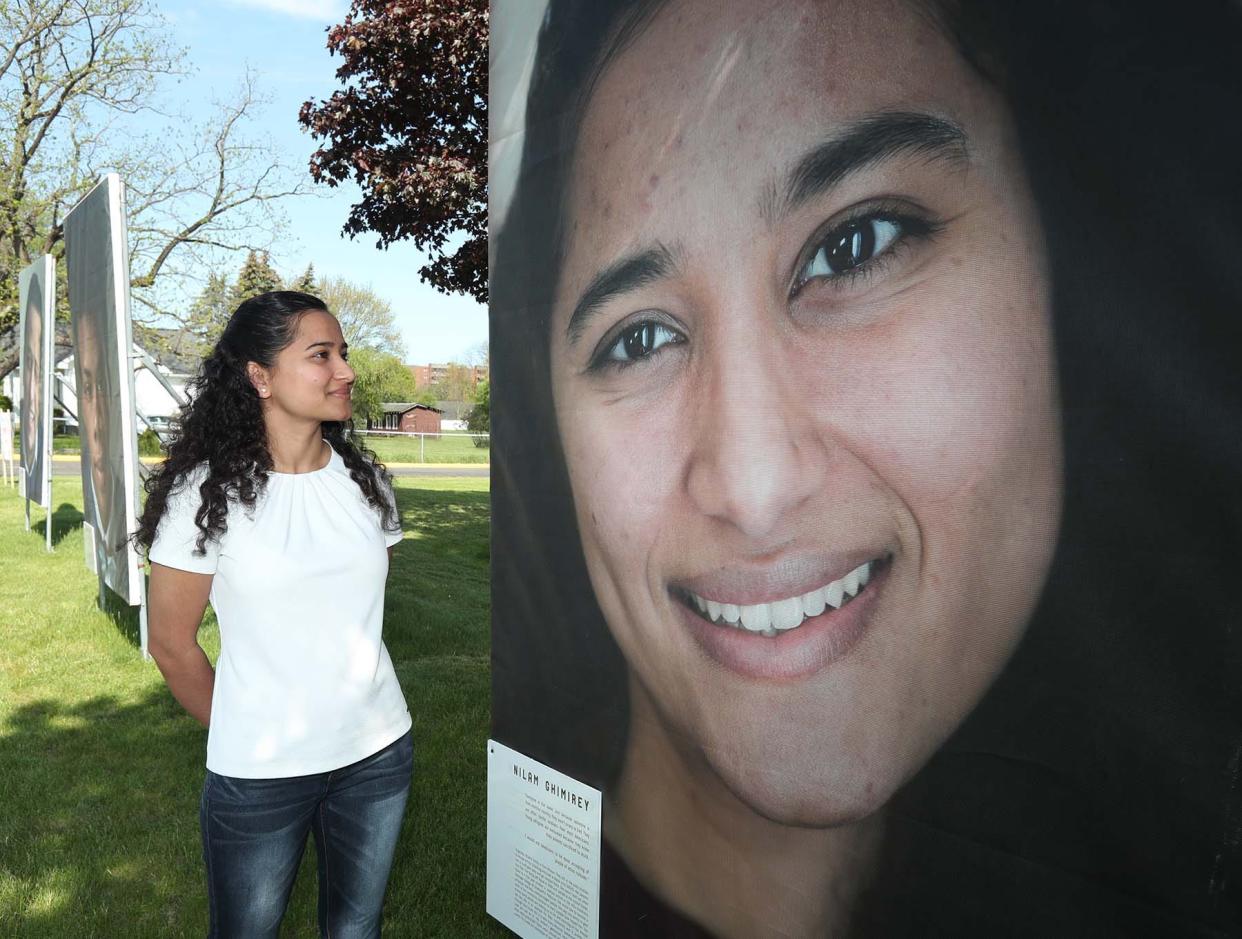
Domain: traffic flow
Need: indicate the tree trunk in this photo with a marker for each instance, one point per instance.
(8, 349)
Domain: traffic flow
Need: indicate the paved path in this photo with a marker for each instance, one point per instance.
(65, 465)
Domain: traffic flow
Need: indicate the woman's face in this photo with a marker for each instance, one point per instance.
(801, 349)
(310, 380)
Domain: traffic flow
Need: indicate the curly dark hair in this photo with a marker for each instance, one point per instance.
(222, 426)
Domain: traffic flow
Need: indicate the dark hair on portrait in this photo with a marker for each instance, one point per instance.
(222, 425)
(1099, 782)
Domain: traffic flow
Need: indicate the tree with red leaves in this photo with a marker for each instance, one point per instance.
(410, 127)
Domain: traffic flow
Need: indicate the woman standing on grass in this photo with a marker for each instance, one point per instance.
(266, 508)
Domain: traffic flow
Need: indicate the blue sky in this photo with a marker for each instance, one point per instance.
(282, 42)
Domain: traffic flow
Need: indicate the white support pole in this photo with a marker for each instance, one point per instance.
(142, 617)
(6, 446)
(144, 359)
(48, 524)
(60, 401)
(422, 445)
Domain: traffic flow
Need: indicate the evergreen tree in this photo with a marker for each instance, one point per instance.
(210, 311)
(256, 276)
(307, 283)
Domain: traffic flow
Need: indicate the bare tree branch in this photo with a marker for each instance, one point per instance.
(71, 73)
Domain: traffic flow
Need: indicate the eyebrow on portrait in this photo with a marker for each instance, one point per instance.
(629, 273)
(867, 142)
(327, 344)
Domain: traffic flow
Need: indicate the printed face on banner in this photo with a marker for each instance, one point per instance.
(98, 403)
(802, 364)
(34, 296)
(105, 408)
(32, 378)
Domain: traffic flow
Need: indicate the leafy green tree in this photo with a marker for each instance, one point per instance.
(366, 317)
(256, 276)
(410, 127)
(457, 384)
(480, 419)
(380, 377)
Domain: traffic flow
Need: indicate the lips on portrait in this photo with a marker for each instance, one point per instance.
(787, 621)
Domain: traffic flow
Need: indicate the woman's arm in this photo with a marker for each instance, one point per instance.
(175, 605)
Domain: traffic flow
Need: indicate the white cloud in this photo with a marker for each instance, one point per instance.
(323, 10)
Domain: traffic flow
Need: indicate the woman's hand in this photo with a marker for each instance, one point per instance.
(175, 605)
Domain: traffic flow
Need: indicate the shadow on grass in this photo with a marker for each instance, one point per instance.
(99, 828)
(65, 520)
(123, 616)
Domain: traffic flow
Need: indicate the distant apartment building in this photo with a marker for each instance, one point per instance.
(427, 375)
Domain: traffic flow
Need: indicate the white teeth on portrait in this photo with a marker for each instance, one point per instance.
(781, 615)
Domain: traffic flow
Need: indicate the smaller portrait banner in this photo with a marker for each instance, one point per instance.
(36, 301)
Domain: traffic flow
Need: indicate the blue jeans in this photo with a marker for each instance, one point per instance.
(254, 833)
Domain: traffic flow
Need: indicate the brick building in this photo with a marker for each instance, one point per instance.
(408, 418)
(427, 375)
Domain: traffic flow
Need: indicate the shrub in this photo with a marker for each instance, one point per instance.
(149, 443)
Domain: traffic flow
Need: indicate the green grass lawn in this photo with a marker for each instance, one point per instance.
(100, 770)
(444, 448)
(61, 443)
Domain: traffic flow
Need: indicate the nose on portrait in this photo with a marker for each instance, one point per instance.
(756, 455)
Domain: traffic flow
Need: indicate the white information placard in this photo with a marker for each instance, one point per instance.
(543, 848)
(6, 445)
(88, 543)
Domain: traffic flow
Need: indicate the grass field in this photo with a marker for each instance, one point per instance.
(61, 443)
(100, 770)
(444, 448)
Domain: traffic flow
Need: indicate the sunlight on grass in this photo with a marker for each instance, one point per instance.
(431, 448)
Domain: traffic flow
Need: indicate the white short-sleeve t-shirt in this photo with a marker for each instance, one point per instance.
(303, 683)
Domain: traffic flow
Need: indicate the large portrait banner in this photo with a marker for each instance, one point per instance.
(866, 377)
(37, 302)
(97, 259)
